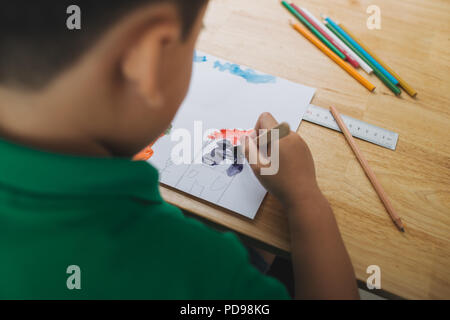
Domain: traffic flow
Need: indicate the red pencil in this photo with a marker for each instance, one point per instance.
(352, 61)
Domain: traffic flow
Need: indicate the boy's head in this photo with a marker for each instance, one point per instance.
(114, 84)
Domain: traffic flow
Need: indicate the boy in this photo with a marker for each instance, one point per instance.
(78, 219)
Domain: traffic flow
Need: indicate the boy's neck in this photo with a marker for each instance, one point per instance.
(47, 122)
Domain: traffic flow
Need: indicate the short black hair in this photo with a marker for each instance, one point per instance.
(36, 45)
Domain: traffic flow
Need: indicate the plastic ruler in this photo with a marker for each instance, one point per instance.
(359, 129)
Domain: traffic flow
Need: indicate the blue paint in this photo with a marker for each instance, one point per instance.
(224, 151)
(250, 75)
(199, 58)
(235, 169)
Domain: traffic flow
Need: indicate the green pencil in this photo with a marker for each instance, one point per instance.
(313, 30)
(377, 72)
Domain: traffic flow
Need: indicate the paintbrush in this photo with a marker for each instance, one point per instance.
(267, 137)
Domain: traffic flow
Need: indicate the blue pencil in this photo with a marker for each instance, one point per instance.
(362, 51)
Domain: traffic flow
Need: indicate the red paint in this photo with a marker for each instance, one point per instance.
(232, 135)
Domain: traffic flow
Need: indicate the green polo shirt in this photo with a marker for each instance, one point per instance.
(107, 218)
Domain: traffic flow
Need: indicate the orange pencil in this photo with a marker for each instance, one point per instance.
(370, 174)
(308, 35)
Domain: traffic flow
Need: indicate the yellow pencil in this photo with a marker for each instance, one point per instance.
(308, 35)
(402, 82)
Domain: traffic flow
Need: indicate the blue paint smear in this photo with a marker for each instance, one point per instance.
(213, 160)
(250, 75)
(199, 58)
(235, 169)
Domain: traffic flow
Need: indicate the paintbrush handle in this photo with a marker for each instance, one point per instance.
(267, 137)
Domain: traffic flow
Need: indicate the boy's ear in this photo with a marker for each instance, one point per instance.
(142, 61)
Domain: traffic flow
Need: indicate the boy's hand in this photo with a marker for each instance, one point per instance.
(296, 179)
(322, 267)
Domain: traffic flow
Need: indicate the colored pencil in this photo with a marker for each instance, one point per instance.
(370, 174)
(362, 51)
(308, 35)
(313, 30)
(377, 72)
(323, 30)
(402, 82)
(360, 61)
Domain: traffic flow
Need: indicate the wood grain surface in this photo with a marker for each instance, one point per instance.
(414, 41)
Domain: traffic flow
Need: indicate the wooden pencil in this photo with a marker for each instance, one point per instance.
(402, 82)
(377, 72)
(370, 174)
(362, 51)
(308, 35)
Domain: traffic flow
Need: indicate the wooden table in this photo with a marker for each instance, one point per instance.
(414, 41)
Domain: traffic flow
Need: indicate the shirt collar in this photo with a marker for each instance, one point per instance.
(46, 173)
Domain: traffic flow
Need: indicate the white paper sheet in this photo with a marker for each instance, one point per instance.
(227, 96)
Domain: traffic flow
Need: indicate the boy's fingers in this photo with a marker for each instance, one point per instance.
(266, 121)
(245, 146)
(250, 150)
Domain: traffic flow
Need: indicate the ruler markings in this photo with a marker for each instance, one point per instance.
(359, 129)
